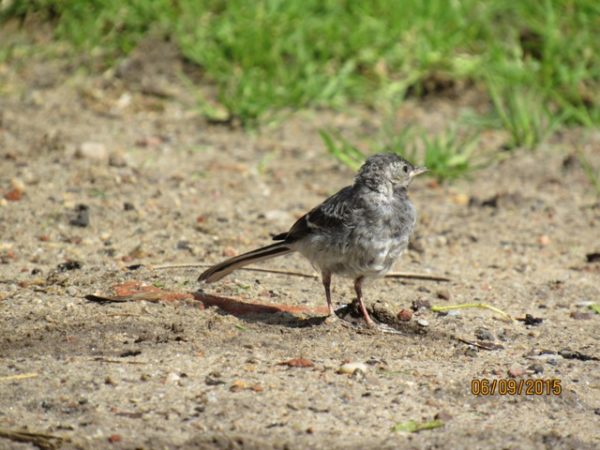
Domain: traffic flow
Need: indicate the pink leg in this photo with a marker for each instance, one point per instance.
(358, 289)
(327, 285)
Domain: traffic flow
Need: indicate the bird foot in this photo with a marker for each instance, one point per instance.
(331, 318)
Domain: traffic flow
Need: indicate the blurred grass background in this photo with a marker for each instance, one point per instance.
(538, 61)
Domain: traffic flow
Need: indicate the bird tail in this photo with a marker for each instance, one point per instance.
(218, 271)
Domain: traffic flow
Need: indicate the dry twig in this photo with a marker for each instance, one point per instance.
(407, 275)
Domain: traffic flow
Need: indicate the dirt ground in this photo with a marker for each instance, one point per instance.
(163, 186)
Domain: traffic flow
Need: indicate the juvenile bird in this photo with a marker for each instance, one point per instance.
(357, 233)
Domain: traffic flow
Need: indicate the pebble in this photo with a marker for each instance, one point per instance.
(460, 199)
(71, 291)
(117, 159)
(183, 245)
(444, 294)
(93, 150)
(229, 252)
(578, 315)
(171, 378)
(422, 323)
(444, 416)
(533, 321)
(68, 265)
(420, 304)
(114, 438)
(536, 368)
(14, 195)
(238, 385)
(484, 334)
(516, 371)
(17, 184)
(82, 216)
(298, 362)
(351, 367)
(213, 379)
(405, 315)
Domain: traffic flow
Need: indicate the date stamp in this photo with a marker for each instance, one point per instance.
(513, 386)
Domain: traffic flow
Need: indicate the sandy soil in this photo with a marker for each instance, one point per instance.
(163, 186)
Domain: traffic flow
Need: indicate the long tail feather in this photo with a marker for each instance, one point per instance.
(218, 271)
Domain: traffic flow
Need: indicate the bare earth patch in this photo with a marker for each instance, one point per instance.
(160, 185)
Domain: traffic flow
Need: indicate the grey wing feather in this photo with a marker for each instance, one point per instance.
(329, 215)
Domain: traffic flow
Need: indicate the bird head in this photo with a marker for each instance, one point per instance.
(385, 169)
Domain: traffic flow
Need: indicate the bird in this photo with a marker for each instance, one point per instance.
(357, 233)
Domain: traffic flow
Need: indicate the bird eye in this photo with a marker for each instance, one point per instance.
(405, 168)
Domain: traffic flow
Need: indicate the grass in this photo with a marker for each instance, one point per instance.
(537, 60)
(447, 155)
(592, 173)
(524, 115)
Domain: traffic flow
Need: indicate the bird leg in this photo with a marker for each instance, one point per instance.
(358, 289)
(327, 285)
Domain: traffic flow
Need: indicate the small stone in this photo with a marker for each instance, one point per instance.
(516, 371)
(82, 216)
(444, 416)
(351, 367)
(420, 304)
(71, 291)
(115, 438)
(536, 368)
(213, 379)
(578, 315)
(110, 381)
(444, 294)
(405, 315)
(416, 246)
(471, 352)
(171, 378)
(238, 385)
(183, 245)
(592, 257)
(544, 240)
(14, 195)
(484, 335)
(18, 184)
(68, 265)
(117, 159)
(229, 252)
(127, 206)
(298, 362)
(460, 199)
(422, 323)
(532, 321)
(92, 150)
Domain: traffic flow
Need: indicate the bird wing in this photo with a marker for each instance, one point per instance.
(329, 215)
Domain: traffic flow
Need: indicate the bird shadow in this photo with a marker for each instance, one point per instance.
(291, 316)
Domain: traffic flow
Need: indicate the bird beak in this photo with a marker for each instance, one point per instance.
(417, 171)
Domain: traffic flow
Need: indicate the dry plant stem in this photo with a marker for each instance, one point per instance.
(39, 440)
(21, 376)
(410, 275)
(506, 316)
